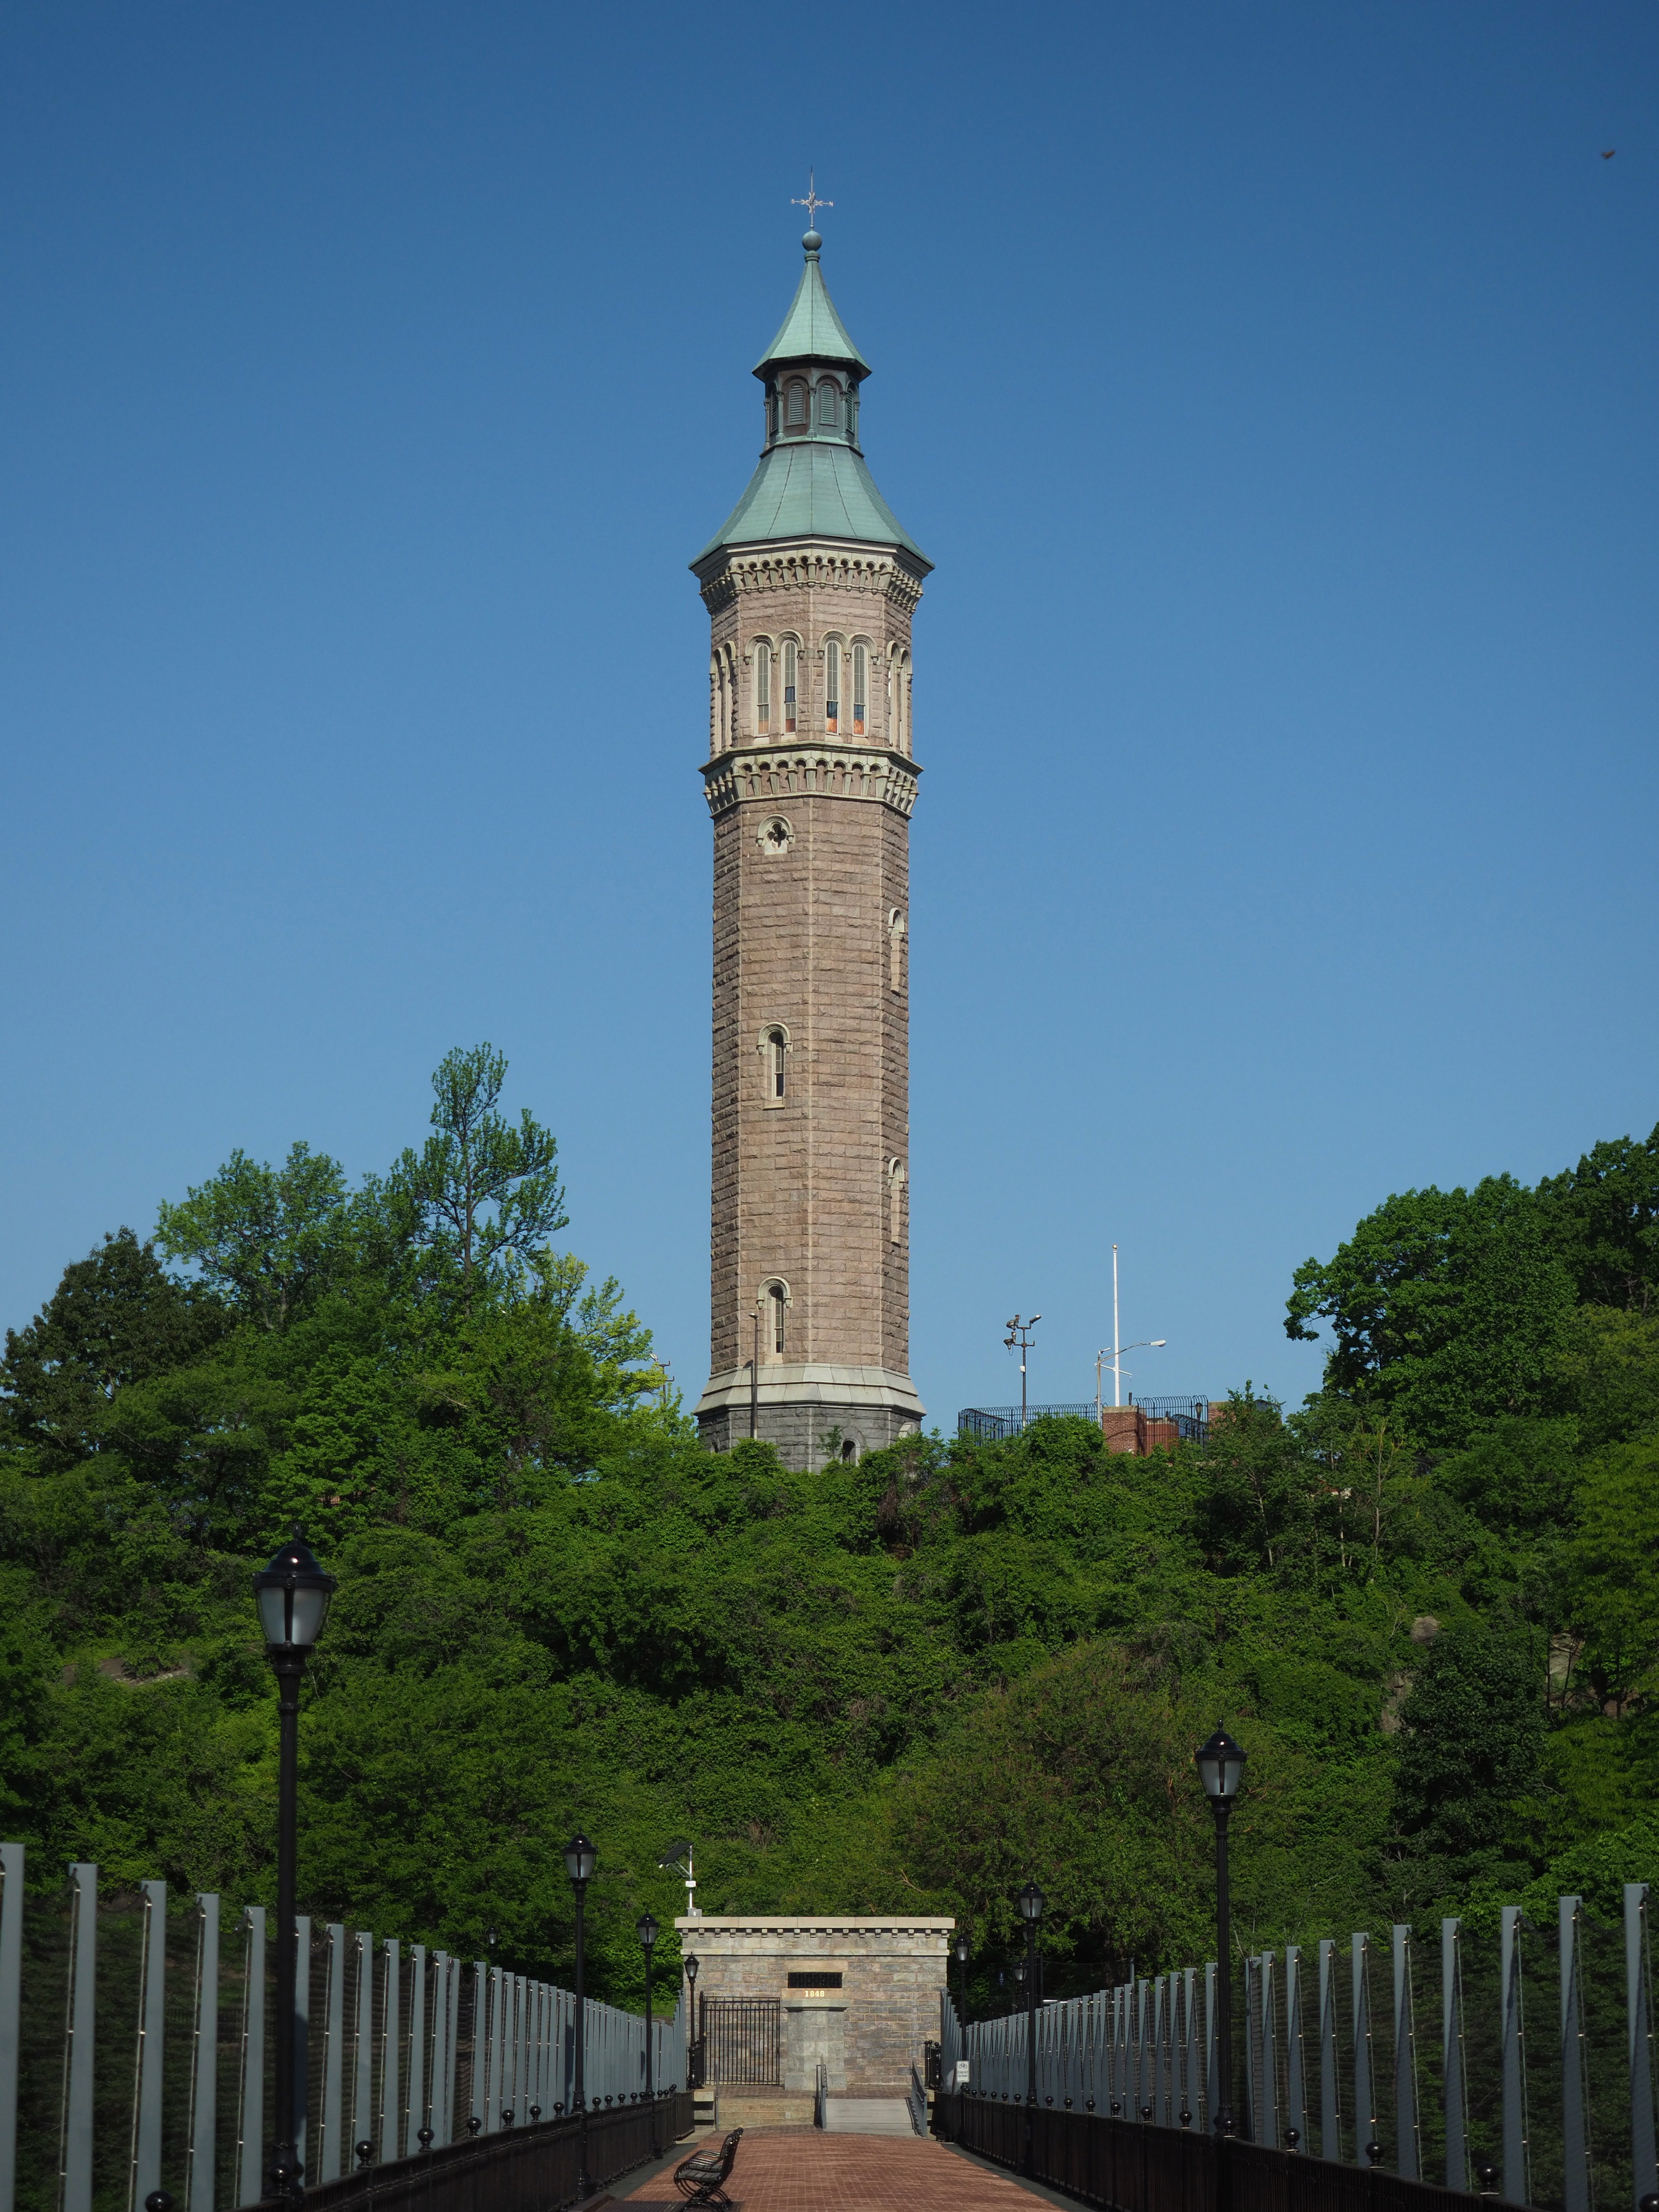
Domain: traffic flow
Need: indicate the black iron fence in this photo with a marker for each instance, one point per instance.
(1130, 2165)
(743, 2041)
(1189, 1417)
(524, 2169)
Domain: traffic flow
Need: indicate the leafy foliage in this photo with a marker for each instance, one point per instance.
(1423, 1601)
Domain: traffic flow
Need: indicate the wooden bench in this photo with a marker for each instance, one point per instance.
(702, 2179)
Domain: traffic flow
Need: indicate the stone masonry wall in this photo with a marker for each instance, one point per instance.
(871, 2031)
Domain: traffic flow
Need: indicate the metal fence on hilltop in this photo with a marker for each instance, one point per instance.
(1188, 1417)
(137, 2050)
(1523, 2066)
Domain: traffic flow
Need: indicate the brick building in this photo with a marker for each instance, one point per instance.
(810, 778)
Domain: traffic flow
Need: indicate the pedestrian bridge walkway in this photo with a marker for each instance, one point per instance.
(804, 2170)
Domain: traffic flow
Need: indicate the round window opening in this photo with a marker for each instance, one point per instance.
(775, 836)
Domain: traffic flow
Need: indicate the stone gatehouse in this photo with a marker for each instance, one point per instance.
(858, 1997)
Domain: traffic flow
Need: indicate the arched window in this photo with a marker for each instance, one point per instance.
(795, 409)
(901, 703)
(849, 1450)
(860, 688)
(895, 951)
(774, 1301)
(895, 1201)
(772, 1060)
(762, 690)
(829, 404)
(832, 686)
(791, 668)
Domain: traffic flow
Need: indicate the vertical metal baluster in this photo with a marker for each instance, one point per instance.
(477, 2085)
(202, 2141)
(1269, 2054)
(144, 2150)
(1155, 2098)
(1576, 2178)
(1295, 2077)
(75, 2141)
(1365, 2108)
(11, 1988)
(330, 2166)
(1639, 2043)
(1407, 2146)
(1515, 2177)
(301, 2037)
(362, 2085)
(415, 2102)
(1330, 2076)
(1211, 2048)
(1196, 2097)
(391, 2048)
(1454, 2074)
(1251, 2130)
(251, 2101)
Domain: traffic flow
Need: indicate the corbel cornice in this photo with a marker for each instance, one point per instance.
(770, 773)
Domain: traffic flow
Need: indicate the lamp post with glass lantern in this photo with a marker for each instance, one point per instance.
(1221, 1770)
(1031, 1901)
(646, 1932)
(293, 1593)
(579, 1860)
(691, 1962)
(960, 1947)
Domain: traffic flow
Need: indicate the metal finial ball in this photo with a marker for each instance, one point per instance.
(424, 2136)
(811, 241)
(159, 2200)
(365, 2151)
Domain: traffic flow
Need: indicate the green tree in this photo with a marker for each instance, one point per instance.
(485, 1194)
(267, 1238)
(1472, 1735)
(1604, 1217)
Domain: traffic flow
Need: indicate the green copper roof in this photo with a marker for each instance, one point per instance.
(811, 480)
(810, 491)
(812, 331)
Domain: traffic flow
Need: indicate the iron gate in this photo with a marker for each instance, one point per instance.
(743, 2038)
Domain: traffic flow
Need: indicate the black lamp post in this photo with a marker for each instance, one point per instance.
(579, 1858)
(960, 1947)
(1221, 1770)
(293, 1593)
(646, 1932)
(693, 2051)
(1030, 1902)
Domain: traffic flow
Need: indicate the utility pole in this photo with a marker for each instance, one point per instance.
(1020, 1337)
(754, 1382)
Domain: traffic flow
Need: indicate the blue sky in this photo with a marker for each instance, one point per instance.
(1272, 388)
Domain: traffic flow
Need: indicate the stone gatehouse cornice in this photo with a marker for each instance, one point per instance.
(772, 772)
(809, 565)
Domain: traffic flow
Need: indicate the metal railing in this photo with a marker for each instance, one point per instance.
(1126, 2166)
(532, 2168)
(743, 2040)
(990, 1424)
(917, 2100)
(821, 2098)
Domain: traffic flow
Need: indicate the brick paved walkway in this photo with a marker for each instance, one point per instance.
(788, 2170)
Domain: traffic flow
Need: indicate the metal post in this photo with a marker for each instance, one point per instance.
(1223, 1944)
(201, 2154)
(11, 1971)
(1638, 2042)
(477, 2087)
(288, 1664)
(1194, 2072)
(1296, 2079)
(391, 2048)
(1454, 2074)
(1155, 2069)
(1029, 2163)
(584, 2180)
(494, 2053)
(330, 2164)
(1211, 2049)
(301, 2034)
(75, 2143)
(414, 2120)
(1574, 2180)
(1407, 2148)
(650, 2080)
(1364, 2111)
(1514, 2069)
(363, 2086)
(1269, 2056)
(452, 2051)
(1330, 2078)
(144, 2155)
(1251, 2130)
(250, 2104)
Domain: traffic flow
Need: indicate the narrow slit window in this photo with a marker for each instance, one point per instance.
(790, 659)
(776, 1048)
(860, 688)
(775, 1317)
(832, 686)
(763, 688)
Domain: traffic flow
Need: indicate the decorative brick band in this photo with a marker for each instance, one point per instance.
(795, 771)
(813, 568)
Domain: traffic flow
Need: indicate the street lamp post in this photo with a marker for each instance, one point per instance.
(293, 1595)
(1030, 1902)
(960, 1947)
(579, 1859)
(691, 1962)
(1115, 1353)
(1221, 1770)
(646, 1932)
(1019, 1338)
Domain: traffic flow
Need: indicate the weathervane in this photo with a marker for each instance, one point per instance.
(811, 202)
